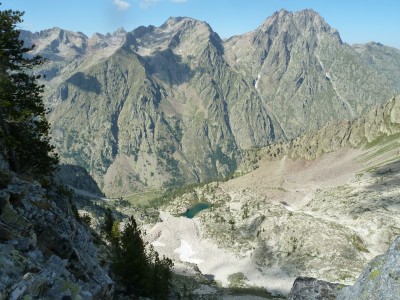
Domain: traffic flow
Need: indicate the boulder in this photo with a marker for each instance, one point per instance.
(306, 288)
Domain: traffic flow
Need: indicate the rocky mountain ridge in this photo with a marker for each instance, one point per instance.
(45, 252)
(164, 106)
(374, 127)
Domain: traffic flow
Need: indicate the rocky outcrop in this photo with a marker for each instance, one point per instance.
(306, 288)
(45, 252)
(66, 50)
(379, 280)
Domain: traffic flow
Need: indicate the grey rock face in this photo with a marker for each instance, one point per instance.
(306, 288)
(382, 58)
(44, 252)
(379, 280)
(305, 74)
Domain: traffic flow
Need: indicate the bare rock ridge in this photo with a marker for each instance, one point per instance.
(380, 123)
(45, 252)
(164, 106)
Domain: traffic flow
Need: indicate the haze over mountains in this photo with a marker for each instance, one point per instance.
(163, 106)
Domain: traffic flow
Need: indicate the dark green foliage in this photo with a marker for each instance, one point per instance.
(86, 218)
(63, 190)
(24, 130)
(107, 226)
(5, 179)
(137, 266)
(161, 276)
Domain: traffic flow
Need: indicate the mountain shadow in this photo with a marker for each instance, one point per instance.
(85, 82)
(78, 178)
(168, 67)
(387, 177)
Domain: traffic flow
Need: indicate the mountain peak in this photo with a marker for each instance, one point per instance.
(313, 18)
(305, 21)
(119, 31)
(178, 23)
(171, 21)
(174, 32)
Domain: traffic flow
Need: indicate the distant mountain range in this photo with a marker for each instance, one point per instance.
(164, 106)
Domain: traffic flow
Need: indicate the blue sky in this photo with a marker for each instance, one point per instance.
(358, 21)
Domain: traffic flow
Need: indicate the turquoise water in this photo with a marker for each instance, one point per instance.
(194, 210)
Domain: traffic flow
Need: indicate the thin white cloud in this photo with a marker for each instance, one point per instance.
(147, 3)
(179, 1)
(121, 4)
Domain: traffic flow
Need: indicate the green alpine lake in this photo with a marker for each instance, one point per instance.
(194, 210)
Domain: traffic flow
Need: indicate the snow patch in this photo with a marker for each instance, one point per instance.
(256, 84)
(186, 253)
(157, 243)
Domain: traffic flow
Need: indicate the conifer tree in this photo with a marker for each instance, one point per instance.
(107, 226)
(138, 267)
(130, 261)
(24, 130)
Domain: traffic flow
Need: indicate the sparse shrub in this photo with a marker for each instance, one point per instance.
(236, 280)
(232, 222)
(108, 223)
(86, 218)
(62, 190)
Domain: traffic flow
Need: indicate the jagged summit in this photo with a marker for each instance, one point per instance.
(305, 15)
(172, 21)
(304, 19)
(305, 22)
(120, 30)
(188, 33)
(179, 25)
(296, 60)
(290, 26)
